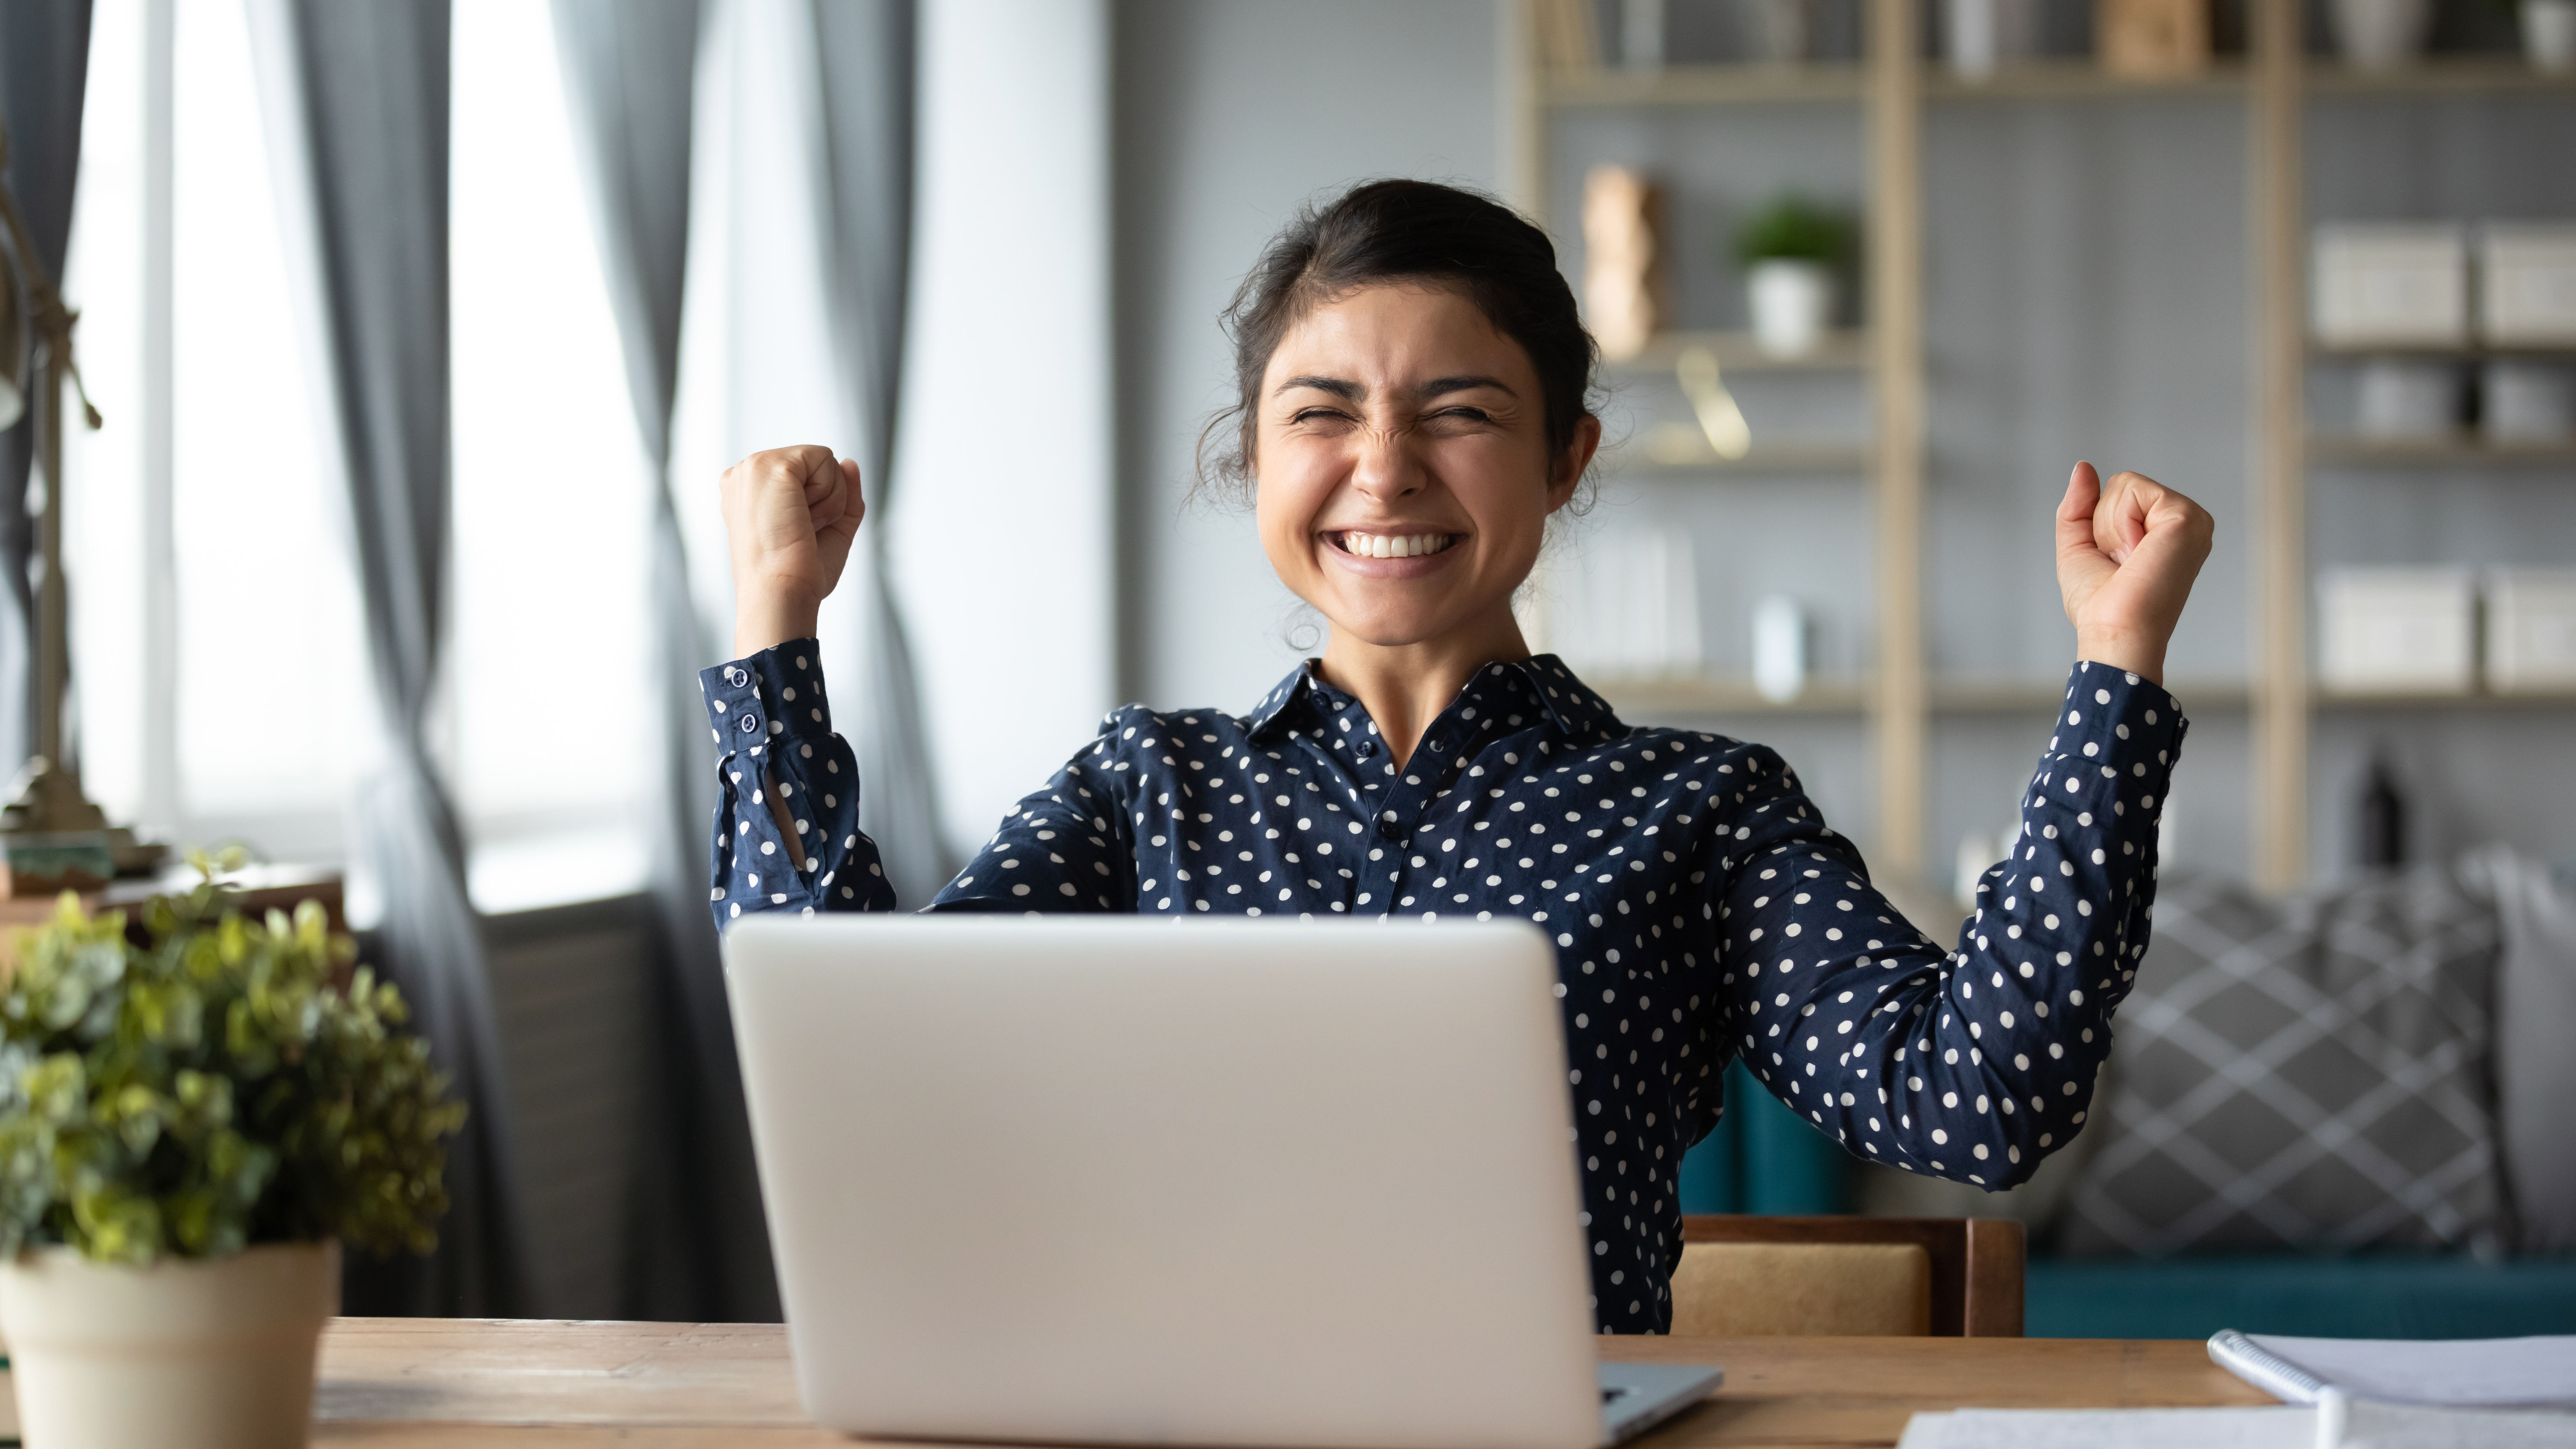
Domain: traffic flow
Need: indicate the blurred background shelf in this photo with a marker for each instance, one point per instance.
(2015, 696)
(2438, 75)
(2400, 452)
(1844, 350)
(2370, 699)
(1702, 85)
(2079, 80)
(2302, 140)
(1647, 696)
(2461, 351)
(1688, 694)
(1765, 459)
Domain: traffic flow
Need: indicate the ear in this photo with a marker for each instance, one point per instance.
(1566, 473)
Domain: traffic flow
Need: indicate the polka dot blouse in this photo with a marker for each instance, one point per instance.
(1701, 909)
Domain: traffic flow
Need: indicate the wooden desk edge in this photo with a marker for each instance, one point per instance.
(402, 1383)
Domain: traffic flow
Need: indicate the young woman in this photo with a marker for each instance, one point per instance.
(1413, 382)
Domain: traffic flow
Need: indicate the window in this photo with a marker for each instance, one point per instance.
(228, 694)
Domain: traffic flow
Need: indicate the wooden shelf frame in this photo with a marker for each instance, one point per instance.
(2276, 206)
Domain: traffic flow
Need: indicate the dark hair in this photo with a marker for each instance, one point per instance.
(1404, 231)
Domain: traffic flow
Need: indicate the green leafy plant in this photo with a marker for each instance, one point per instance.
(1792, 229)
(219, 1083)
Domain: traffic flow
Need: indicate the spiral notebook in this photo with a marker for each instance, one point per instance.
(2490, 1373)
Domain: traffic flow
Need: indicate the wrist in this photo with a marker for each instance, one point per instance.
(2143, 658)
(763, 618)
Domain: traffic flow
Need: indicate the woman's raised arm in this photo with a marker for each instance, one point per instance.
(1976, 1062)
(786, 830)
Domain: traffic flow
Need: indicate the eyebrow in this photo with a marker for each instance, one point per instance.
(1436, 387)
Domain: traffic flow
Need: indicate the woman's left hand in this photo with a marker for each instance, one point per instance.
(2127, 553)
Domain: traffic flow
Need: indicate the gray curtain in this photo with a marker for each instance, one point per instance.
(44, 67)
(866, 49)
(368, 133)
(702, 1246)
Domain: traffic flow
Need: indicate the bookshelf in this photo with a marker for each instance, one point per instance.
(1891, 89)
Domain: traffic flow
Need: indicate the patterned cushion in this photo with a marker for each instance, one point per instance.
(2310, 1073)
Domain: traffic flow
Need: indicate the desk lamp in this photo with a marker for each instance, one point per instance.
(51, 836)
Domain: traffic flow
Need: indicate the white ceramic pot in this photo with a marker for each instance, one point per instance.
(2381, 34)
(2549, 34)
(1792, 303)
(180, 1355)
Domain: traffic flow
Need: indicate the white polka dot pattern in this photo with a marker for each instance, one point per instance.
(1700, 907)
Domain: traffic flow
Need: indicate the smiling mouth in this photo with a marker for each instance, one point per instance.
(1390, 545)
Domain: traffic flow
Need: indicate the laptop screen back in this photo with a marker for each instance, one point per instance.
(1206, 1182)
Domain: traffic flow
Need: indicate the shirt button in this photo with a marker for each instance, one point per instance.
(733, 675)
(1386, 830)
(1367, 748)
(750, 724)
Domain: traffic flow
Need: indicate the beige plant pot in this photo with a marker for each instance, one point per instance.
(180, 1355)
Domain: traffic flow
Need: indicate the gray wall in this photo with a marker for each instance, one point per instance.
(1229, 115)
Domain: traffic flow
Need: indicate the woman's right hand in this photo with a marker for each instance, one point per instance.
(790, 515)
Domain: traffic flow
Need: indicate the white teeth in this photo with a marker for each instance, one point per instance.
(1384, 545)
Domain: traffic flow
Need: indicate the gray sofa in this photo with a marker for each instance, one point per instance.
(2345, 1112)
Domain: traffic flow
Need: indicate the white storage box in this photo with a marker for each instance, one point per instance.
(2398, 630)
(2527, 284)
(2528, 402)
(2403, 398)
(2531, 630)
(2379, 285)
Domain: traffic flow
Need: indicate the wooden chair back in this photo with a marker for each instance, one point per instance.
(1747, 1276)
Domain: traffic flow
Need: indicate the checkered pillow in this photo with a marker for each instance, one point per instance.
(2309, 1073)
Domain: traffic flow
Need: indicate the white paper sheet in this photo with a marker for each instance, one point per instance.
(2360, 1424)
(2271, 1428)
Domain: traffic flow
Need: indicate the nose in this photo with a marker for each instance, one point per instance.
(1386, 468)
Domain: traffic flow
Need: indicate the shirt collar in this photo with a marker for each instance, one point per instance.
(1571, 706)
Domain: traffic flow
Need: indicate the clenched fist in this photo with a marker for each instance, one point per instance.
(2127, 553)
(790, 515)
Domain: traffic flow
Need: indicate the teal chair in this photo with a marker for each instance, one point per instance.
(1764, 1159)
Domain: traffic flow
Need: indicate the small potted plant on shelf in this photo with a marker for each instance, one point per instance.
(1789, 250)
(193, 1118)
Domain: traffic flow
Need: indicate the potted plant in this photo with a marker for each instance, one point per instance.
(193, 1119)
(1789, 250)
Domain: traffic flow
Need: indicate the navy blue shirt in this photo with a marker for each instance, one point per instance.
(1701, 909)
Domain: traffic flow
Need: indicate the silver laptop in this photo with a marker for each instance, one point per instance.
(1128, 1181)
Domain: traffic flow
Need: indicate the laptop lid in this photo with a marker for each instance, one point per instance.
(1205, 1182)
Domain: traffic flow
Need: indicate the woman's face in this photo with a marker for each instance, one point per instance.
(1403, 475)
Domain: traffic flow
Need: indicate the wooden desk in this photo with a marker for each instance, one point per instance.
(398, 1383)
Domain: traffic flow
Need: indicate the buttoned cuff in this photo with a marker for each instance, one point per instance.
(774, 694)
(2121, 721)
